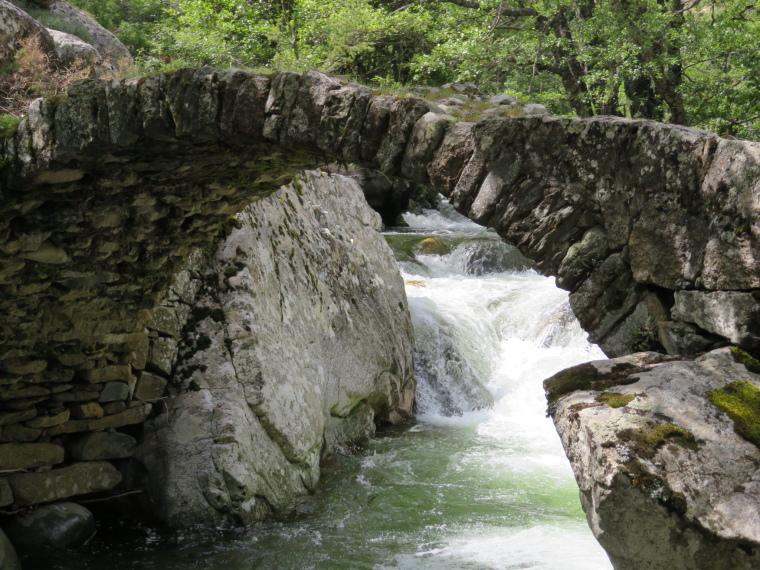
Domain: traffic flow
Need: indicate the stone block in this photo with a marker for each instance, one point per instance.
(6, 495)
(77, 395)
(76, 479)
(150, 387)
(141, 348)
(110, 408)
(731, 314)
(23, 366)
(86, 410)
(29, 455)
(113, 373)
(114, 392)
(131, 416)
(101, 445)
(49, 421)
(163, 353)
(18, 433)
(7, 418)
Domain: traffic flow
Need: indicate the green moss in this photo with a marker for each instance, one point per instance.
(587, 377)
(750, 363)
(8, 125)
(614, 399)
(741, 402)
(579, 407)
(646, 441)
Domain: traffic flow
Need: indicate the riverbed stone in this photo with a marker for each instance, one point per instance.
(29, 455)
(75, 479)
(101, 445)
(60, 525)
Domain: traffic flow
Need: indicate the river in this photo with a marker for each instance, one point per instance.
(480, 480)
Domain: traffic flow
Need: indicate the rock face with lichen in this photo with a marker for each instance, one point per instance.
(669, 473)
(294, 341)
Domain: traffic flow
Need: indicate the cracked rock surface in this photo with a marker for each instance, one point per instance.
(298, 341)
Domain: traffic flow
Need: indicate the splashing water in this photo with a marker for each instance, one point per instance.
(480, 482)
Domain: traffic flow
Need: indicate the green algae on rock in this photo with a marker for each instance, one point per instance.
(646, 441)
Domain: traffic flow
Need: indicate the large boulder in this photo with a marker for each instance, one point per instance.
(299, 341)
(17, 26)
(110, 48)
(70, 48)
(665, 453)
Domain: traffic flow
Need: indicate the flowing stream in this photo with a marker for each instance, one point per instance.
(479, 482)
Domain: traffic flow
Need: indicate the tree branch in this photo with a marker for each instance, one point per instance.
(464, 3)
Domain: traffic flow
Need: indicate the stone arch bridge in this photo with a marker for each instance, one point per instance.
(105, 193)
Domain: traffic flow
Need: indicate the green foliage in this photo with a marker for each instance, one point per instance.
(8, 124)
(680, 61)
(741, 402)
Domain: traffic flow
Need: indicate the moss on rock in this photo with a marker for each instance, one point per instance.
(741, 402)
(433, 246)
(588, 377)
(614, 399)
(646, 441)
(750, 363)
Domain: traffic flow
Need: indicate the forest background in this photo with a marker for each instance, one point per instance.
(691, 62)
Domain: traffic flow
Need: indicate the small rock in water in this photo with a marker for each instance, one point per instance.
(433, 246)
(60, 525)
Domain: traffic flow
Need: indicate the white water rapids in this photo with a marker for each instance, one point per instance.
(480, 482)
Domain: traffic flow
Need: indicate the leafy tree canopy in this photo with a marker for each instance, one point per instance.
(692, 62)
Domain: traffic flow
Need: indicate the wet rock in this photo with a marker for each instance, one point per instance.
(433, 246)
(667, 480)
(60, 525)
(492, 256)
(76, 479)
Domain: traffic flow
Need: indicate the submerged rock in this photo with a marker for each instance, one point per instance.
(61, 525)
(669, 478)
(299, 342)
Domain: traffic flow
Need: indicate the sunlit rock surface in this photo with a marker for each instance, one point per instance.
(666, 481)
(297, 340)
